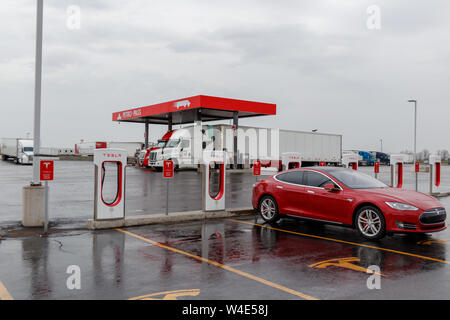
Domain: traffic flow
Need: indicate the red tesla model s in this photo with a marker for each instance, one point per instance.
(347, 197)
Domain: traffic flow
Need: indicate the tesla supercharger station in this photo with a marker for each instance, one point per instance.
(109, 202)
(214, 177)
(291, 160)
(397, 161)
(350, 161)
(435, 172)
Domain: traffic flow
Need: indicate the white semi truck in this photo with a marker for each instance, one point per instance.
(267, 145)
(18, 149)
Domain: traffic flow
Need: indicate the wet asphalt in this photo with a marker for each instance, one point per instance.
(216, 259)
(261, 263)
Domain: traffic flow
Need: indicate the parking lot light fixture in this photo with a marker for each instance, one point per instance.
(415, 135)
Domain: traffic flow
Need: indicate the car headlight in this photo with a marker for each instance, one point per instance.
(401, 206)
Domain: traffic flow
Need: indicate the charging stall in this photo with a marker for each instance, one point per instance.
(291, 160)
(109, 198)
(350, 161)
(435, 172)
(397, 161)
(213, 180)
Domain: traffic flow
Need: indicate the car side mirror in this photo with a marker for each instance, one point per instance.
(330, 187)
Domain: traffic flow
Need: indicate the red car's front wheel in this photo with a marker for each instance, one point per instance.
(370, 223)
(268, 209)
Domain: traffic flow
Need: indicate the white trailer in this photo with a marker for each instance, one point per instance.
(314, 147)
(267, 145)
(18, 149)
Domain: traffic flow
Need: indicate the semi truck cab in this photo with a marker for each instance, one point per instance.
(25, 152)
(179, 149)
(367, 158)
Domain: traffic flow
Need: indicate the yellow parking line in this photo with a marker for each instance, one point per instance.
(341, 241)
(217, 264)
(4, 294)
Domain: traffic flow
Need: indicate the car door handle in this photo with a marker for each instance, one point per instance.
(279, 187)
(310, 191)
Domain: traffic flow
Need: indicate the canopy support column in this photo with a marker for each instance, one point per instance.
(146, 135)
(235, 138)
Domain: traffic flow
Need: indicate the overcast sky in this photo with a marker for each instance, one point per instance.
(317, 60)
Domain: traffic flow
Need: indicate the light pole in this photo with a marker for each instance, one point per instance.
(381, 147)
(33, 197)
(37, 94)
(415, 134)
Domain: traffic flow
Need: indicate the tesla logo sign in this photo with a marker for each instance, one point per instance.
(182, 104)
(322, 163)
(257, 168)
(168, 169)
(46, 170)
(100, 145)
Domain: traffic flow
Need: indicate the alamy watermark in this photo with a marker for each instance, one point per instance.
(74, 280)
(374, 281)
(73, 21)
(373, 21)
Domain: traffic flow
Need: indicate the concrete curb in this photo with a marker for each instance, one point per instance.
(441, 195)
(172, 217)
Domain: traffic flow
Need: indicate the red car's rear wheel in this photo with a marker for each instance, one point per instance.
(268, 209)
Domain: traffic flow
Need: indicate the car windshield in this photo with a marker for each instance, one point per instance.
(28, 149)
(357, 180)
(161, 144)
(172, 143)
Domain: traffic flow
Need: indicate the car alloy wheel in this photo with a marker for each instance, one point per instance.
(370, 223)
(268, 209)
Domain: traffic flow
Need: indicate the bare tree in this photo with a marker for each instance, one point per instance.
(444, 154)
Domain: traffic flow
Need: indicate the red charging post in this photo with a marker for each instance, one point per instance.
(437, 180)
(399, 175)
(417, 166)
(257, 168)
(168, 174)
(46, 173)
(376, 168)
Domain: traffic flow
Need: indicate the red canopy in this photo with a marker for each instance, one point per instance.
(186, 110)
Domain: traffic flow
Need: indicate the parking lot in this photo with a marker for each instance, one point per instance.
(225, 259)
(238, 258)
